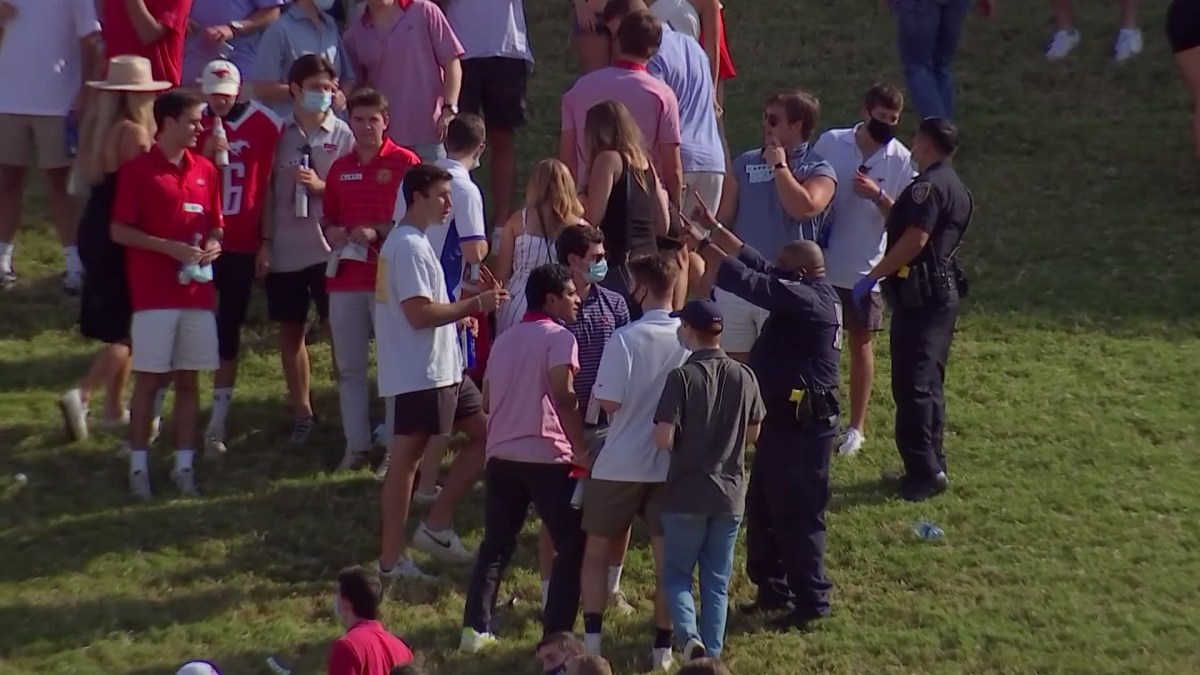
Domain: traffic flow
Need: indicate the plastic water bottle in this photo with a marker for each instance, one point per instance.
(188, 271)
(301, 191)
(221, 159)
(927, 531)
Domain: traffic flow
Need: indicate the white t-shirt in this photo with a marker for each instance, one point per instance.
(857, 238)
(491, 28)
(412, 359)
(632, 372)
(41, 47)
(466, 223)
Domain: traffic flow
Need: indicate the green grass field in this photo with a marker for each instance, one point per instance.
(1071, 544)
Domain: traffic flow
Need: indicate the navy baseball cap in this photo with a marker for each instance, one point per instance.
(703, 315)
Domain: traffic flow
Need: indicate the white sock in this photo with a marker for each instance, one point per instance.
(160, 396)
(614, 578)
(221, 400)
(545, 592)
(6, 254)
(592, 643)
(71, 255)
(139, 460)
(183, 459)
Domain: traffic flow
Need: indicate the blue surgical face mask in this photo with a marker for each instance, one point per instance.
(324, 5)
(317, 101)
(597, 271)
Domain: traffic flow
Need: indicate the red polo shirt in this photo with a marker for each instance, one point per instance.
(364, 195)
(368, 649)
(166, 54)
(179, 203)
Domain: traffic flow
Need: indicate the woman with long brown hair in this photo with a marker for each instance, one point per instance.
(118, 127)
(527, 241)
(622, 196)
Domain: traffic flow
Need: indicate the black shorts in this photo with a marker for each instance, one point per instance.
(1183, 25)
(105, 312)
(290, 293)
(434, 411)
(233, 277)
(493, 87)
(867, 316)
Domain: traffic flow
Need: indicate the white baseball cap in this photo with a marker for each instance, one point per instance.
(198, 667)
(221, 77)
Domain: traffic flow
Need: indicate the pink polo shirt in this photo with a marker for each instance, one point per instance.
(523, 424)
(405, 64)
(650, 101)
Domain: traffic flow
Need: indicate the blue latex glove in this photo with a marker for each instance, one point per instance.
(862, 290)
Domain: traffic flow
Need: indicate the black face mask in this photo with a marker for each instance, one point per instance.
(880, 132)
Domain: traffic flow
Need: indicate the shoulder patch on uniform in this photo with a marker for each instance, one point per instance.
(920, 191)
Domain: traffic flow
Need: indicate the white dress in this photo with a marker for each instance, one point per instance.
(530, 251)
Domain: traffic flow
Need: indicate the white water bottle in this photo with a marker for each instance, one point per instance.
(221, 159)
(302, 192)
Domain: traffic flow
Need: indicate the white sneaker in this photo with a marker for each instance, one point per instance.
(185, 482)
(694, 649)
(1063, 43)
(661, 658)
(852, 442)
(353, 460)
(74, 415)
(425, 499)
(214, 442)
(139, 485)
(473, 641)
(404, 568)
(112, 426)
(620, 604)
(443, 545)
(1129, 44)
(72, 282)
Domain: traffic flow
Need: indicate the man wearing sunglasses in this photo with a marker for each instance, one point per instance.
(773, 195)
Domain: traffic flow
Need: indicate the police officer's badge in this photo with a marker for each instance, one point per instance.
(920, 192)
(383, 176)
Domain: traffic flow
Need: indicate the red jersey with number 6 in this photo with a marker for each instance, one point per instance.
(253, 132)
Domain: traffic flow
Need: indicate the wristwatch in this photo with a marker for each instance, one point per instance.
(237, 27)
(452, 107)
(781, 165)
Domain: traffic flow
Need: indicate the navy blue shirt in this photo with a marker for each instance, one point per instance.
(801, 341)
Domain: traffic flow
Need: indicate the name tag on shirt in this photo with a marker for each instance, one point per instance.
(759, 173)
(190, 207)
(351, 176)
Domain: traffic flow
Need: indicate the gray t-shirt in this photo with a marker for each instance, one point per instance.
(710, 399)
(760, 220)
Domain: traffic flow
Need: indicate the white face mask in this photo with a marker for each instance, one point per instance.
(324, 5)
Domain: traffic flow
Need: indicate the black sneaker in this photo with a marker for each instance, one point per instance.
(301, 428)
(918, 490)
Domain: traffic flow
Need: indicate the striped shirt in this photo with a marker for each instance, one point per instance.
(603, 312)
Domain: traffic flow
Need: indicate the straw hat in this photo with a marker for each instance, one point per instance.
(130, 73)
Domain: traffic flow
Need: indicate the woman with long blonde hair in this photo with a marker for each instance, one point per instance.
(622, 196)
(118, 127)
(527, 241)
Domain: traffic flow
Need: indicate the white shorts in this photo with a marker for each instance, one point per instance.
(167, 340)
(743, 322)
(708, 183)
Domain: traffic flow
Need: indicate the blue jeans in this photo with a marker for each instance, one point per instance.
(927, 35)
(691, 539)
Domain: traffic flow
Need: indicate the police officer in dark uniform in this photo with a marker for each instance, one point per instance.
(796, 359)
(924, 284)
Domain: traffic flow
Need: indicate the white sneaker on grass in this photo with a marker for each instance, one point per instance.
(214, 442)
(72, 282)
(404, 568)
(443, 545)
(694, 649)
(620, 604)
(185, 482)
(1129, 44)
(1063, 43)
(74, 414)
(852, 442)
(353, 460)
(473, 641)
(425, 499)
(139, 485)
(661, 658)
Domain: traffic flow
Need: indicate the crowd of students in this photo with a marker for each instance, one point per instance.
(583, 366)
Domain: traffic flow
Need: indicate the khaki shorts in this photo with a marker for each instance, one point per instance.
(168, 340)
(743, 322)
(34, 141)
(610, 506)
(708, 184)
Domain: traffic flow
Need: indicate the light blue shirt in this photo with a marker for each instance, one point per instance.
(682, 64)
(198, 51)
(291, 37)
(761, 221)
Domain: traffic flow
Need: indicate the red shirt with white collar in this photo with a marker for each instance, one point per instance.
(253, 133)
(361, 194)
(179, 203)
